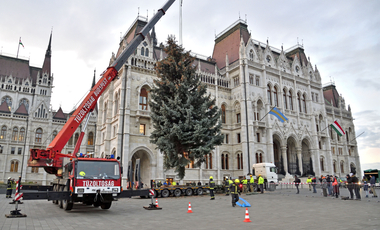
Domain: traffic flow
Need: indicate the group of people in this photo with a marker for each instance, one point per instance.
(330, 185)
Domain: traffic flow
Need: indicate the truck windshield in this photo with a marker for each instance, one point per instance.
(273, 169)
(97, 170)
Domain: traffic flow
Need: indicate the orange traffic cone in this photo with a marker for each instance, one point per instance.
(189, 209)
(157, 203)
(246, 216)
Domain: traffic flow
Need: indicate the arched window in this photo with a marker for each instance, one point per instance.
(90, 138)
(223, 114)
(8, 100)
(206, 159)
(54, 134)
(147, 52)
(14, 166)
(342, 166)
(269, 95)
(14, 134)
(261, 158)
(21, 134)
(290, 100)
(142, 51)
(223, 166)
(38, 138)
(322, 162)
(251, 55)
(71, 140)
(227, 161)
(238, 161)
(257, 81)
(241, 161)
(304, 104)
(257, 158)
(34, 170)
(299, 102)
(116, 104)
(76, 137)
(105, 113)
(3, 133)
(275, 98)
(143, 103)
(334, 166)
(25, 102)
(285, 101)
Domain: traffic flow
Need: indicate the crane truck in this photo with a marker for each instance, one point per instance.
(95, 181)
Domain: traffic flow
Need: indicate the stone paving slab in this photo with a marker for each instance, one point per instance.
(281, 209)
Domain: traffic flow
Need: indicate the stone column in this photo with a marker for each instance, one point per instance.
(285, 159)
(299, 155)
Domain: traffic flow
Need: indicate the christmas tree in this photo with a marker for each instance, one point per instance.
(185, 118)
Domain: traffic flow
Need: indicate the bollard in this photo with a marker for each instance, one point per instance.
(16, 213)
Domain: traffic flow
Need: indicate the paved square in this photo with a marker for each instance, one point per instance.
(282, 209)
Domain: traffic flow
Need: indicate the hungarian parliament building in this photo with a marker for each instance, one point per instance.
(245, 76)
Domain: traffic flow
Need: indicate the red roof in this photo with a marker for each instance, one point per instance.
(18, 68)
(21, 110)
(4, 107)
(59, 114)
(229, 43)
(331, 94)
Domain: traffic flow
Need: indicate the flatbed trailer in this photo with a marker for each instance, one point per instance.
(179, 190)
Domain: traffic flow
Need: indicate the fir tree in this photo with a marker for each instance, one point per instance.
(186, 120)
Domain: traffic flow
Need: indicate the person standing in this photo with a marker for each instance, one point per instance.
(212, 186)
(356, 186)
(314, 183)
(245, 182)
(252, 183)
(9, 188)
(372, 181)
(365, 186)
(309, 182)
(297, 182)
(234, 188)
(227, 186)
(329, 185)
(324, 186)
(349, 186)
(260, 181)
(335, 186)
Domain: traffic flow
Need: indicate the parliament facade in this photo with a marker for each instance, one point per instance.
(247, 78)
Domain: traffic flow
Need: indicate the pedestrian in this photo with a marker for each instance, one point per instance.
(335, 186)
(234, 188)
(199, 183)
(329, 184)
(245, 182)
(261, 183)
(212, 186)
(297, 182)
(165, 183)
(324, 186)
(314, 183)
(227, 186)
(9, 188)
(365, 186)
(372, 181)
(174, 183)
(350, 186)
(159, 184)
(309, 182)
(252, 183)
(356, 186)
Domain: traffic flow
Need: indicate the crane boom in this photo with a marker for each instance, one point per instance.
(51, 158)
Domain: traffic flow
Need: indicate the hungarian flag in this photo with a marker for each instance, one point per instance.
(21, 43)
(338, 129)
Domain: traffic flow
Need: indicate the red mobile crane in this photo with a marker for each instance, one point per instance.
(89, 180)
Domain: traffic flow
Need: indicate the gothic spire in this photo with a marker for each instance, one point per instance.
(46, 67)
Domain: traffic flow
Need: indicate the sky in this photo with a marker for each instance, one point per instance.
(341, 37)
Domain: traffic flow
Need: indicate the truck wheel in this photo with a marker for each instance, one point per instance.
(106, 205)
(96, 204)
(60, 203)
(54, 190)
(189, 192)
(200, 191)
(165, 193)
(177, 192)
(67, 205)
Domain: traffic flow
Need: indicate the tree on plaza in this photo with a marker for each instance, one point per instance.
(185, 118)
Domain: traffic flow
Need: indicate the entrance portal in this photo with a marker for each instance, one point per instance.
(145, 166)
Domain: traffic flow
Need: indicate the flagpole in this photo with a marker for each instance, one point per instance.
(325, 128)
(267, 113)
(357, 136)
(18, 47)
